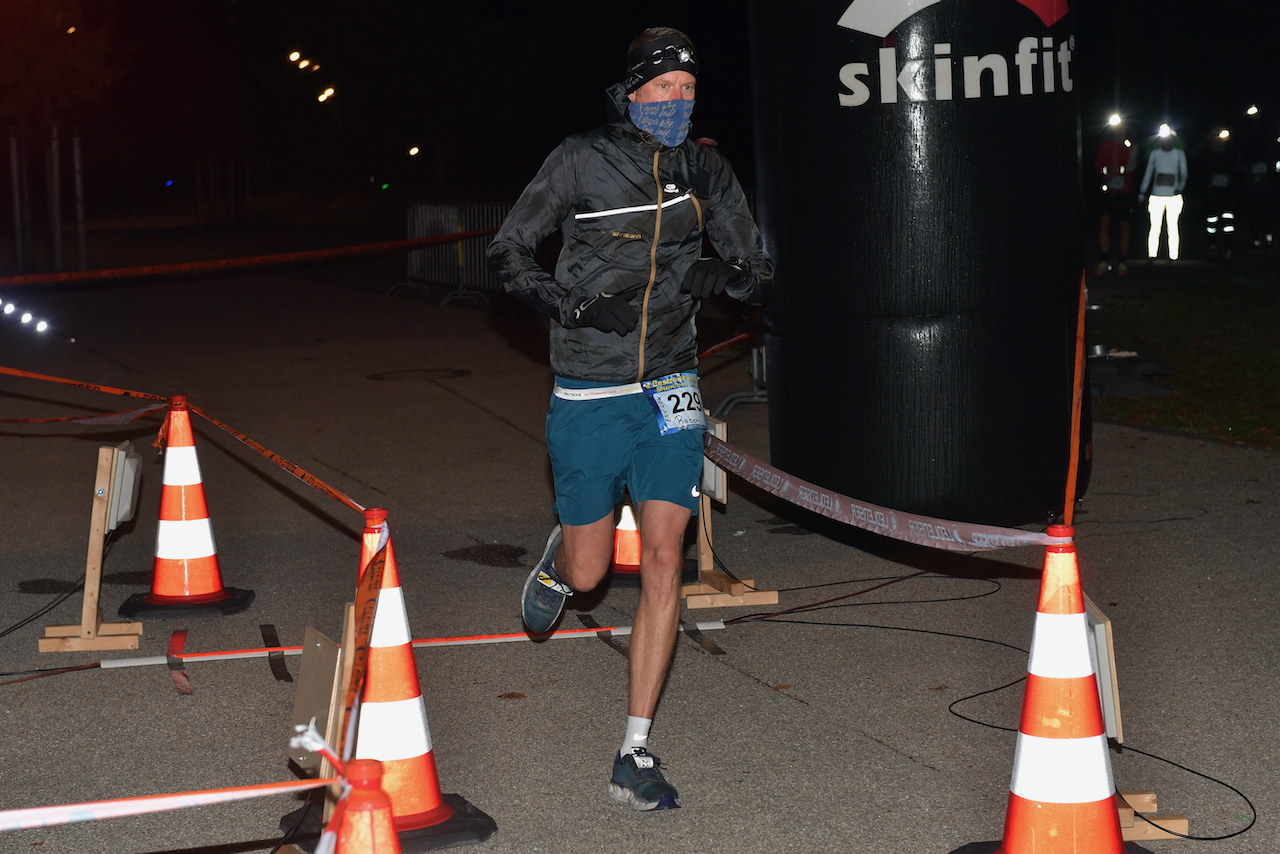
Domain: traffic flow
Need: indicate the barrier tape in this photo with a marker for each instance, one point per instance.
(103, 388)
(26, 819)
(106, 419)
(233, 263)
(734, 340)
(297, 471)
(366, 607)
(921, 530)
(459, 640)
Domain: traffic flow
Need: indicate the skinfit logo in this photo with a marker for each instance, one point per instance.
(880, 17)
(915, 78)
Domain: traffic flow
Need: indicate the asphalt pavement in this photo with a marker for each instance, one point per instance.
(824, 730)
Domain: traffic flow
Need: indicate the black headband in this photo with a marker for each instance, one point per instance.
(651, 59)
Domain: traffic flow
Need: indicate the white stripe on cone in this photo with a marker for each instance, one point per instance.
(181, 467)
(184, 540)
(393, 730)
(1062, 770)
(1060, 647)
(391, 628)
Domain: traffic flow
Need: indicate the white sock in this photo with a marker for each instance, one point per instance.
(637, 734)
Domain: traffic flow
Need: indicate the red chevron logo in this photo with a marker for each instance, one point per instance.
(881, 17)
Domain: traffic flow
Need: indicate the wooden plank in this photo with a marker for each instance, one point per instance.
(108, 629)
(724, 600)
(78, 644)
(90, 616)
(706, 558)
(1143, 830)
(695, 589)
(346, 663)
(722, 583)
(1142, 801)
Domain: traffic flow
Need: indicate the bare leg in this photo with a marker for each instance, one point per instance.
(1104, 234)
(583, 558)
(653, 638)
(1124, 239)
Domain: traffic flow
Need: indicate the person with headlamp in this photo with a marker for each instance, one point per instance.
(1168, 166)
(634, 200)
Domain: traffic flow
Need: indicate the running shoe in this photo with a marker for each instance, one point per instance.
(1102, 269)
(544, 593)
(638, 782)
(1122, 269)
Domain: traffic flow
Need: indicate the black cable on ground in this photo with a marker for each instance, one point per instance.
(106, 547)
(288, 835)
(1243, 796)
(53, 671)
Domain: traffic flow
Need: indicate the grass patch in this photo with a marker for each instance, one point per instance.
(1218, 328)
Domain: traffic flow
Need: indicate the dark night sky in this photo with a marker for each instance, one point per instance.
(486, 89)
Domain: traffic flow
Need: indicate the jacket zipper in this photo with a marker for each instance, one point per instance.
(653, 269)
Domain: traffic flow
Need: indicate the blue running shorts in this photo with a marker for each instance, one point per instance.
(598, 447)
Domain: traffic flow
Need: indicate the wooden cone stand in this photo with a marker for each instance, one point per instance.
(91, 633)
(714, 589)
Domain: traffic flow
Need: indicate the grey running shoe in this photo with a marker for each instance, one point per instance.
(638, 782)
(544, 593)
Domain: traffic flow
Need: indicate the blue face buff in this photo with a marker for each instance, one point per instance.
(668, 121)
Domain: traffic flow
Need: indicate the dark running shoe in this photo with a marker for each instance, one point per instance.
(544, 593)
(638, 782)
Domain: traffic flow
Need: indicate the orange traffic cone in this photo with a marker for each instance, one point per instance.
(626, 544)
(187, 581)
(393, 720)
(366, 826)
(1061, 797)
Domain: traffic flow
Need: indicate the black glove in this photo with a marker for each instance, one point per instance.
(709, 276)
(606, 312)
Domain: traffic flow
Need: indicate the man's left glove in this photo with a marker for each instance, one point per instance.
(709, 276)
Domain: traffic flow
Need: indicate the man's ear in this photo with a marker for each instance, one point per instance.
(631, 97)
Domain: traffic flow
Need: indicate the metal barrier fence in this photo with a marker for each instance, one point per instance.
(461, 265)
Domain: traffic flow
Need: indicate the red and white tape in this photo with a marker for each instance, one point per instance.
(26, 819)
(922, 530)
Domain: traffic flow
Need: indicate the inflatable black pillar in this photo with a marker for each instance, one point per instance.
(918, 168)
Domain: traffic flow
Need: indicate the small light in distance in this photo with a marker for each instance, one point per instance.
(1128, 144)
(1224, 134)
(323, 97)
(295, 56)
(41, 326)
(1114, 120)
(329, 91)
(8, 309)
(169, 183)
(315, 67)
(304, 63)
(413, 152)
(70, 30)
(1252, 111)
(384, 186)
(26, 317)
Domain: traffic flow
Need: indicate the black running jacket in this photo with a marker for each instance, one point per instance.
(633, 214)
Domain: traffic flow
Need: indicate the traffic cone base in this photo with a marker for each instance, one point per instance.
(231, 600)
